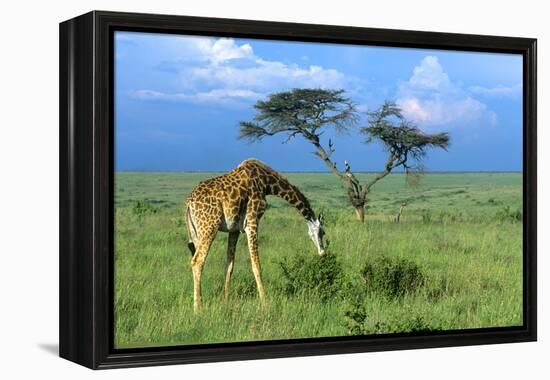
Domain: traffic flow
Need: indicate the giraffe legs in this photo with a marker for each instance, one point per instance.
(231, 246)
(207, 231)
(197, 265)
(256, 208)
(252, 236)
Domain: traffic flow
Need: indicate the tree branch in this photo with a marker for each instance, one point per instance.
(392, 163)
(291, 135)
(322, 153)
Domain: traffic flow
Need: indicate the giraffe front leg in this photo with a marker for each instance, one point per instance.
(252, 236)
(231, 247)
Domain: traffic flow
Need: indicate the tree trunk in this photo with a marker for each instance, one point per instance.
(360, 213)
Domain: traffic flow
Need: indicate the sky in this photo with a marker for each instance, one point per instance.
(179, 100)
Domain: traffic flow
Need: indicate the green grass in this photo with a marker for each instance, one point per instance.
(460, 232)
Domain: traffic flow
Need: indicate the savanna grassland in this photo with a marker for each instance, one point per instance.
(454, 261)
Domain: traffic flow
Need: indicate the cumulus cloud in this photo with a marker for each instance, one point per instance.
(439, 111)
(217, 70)
(429, 75)
(430, 98)
(221, 50)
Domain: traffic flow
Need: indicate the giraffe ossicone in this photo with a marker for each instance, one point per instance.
(235, 202)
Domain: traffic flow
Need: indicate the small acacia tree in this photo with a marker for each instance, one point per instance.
(308, 112)
(405, 144)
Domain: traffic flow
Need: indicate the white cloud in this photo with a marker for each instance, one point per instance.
(430, 75)
(221, 50)
(431, 99)
(264, 76)
(498, 91)
(217, 95)
(413, 109)
(219, 69)
(442, 111)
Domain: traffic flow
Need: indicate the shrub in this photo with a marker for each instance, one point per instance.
(506, 214)
(142, 207)
(355, 319)
(392, 278)
(309, 274)
(358, 322)
(351, 288)
(407, 324)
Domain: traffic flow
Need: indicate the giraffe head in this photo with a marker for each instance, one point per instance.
(316, 233)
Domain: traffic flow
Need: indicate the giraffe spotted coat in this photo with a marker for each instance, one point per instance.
(234, 203)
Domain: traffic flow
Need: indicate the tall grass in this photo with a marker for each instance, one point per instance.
(465, 260)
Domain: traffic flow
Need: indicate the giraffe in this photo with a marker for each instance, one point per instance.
(234, 203)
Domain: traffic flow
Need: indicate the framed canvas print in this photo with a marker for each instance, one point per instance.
(237, 189)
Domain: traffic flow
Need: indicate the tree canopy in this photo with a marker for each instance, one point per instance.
(306, 112)
(300, 111)
(401, 138)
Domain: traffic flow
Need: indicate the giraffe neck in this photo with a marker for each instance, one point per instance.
(290, 193)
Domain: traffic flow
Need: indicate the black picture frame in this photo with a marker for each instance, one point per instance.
(86, 188)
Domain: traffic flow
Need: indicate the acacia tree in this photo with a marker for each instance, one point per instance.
(405, 144)
(309, 112)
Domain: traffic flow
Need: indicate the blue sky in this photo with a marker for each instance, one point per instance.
(179, 99)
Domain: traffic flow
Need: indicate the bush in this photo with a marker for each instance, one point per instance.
(506, 214)
(355, 320)
(392, 278)
(142, 207)
(358, 322)
(309, 274)
(351, 288)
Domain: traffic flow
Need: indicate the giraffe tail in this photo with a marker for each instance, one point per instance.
(191, 231)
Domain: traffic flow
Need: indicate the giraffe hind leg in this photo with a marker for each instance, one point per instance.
(197, 264)
(205, 221)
